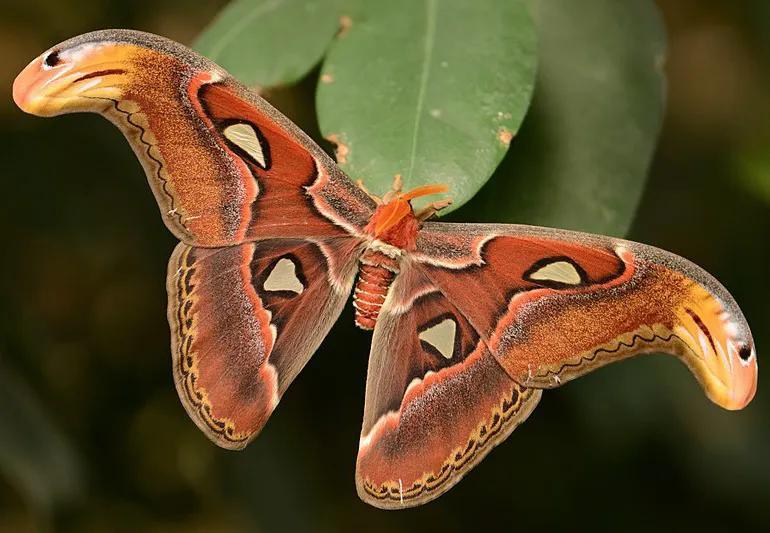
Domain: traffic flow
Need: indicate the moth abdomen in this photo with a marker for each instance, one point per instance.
(375, 275)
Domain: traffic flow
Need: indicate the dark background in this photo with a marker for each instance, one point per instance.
(99, 440)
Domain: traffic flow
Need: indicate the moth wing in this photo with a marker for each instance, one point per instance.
(240, 331)
(224, 165)
(553, 304)
(437, 401)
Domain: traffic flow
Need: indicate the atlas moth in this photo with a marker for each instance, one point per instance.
(471, 322)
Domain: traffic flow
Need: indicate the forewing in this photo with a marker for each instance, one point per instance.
(241, 325)
(224, 165)
(553, 305)
(436, 400)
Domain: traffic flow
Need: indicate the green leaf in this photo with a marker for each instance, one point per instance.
(34, 456)
(431, 90)
(581, 159)
(270, 42)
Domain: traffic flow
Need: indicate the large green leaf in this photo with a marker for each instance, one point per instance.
(34, 456)
(584, 151)
(270, 42)
(432, 90)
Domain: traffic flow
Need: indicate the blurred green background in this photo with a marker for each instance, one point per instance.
(93, 437)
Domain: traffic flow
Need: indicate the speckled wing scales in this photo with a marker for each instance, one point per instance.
(552, 305)
(482, 317)
(479, 318)
(271, 227)
(298, 191)
(239, 327)
(224, 165)
(437, 401)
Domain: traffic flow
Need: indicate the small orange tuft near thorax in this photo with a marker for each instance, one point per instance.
(395, 223)
(401, 232)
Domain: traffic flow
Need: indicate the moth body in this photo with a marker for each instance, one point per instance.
(393, 229)
(376, 272)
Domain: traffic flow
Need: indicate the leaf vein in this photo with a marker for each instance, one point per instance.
(430, 39)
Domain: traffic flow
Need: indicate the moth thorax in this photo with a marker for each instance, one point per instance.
(375, 274)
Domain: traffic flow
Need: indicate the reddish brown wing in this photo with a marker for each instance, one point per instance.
(553, 305)
(436, 400)
(227, 169)
(224, 165)
(299, 192)
(239, 328)
(483, 316)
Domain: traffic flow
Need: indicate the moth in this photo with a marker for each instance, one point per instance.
(471, 322)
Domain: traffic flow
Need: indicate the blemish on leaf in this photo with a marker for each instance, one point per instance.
(660, 62)
(341, 149)
(345, 23)
(505, 136)
(327, 78)
(435, 113)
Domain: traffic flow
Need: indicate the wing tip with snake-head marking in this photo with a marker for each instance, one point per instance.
(608, 298)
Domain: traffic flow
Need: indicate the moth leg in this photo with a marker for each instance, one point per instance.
(377, 199)
(395, 189)
(432, 208)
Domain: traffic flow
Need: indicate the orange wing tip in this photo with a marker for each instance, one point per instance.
(25, 83)
(68, 80)
(733, 387)
(720, 351)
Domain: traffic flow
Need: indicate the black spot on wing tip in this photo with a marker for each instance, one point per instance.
(745, 352)
(52, 59)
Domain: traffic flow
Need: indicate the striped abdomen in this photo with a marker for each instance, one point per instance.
(375, 275)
